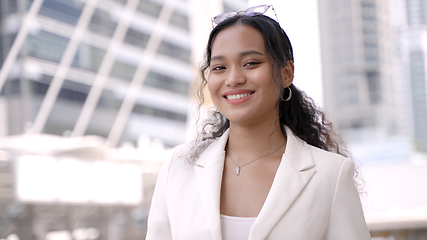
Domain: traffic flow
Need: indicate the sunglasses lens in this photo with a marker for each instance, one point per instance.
(252, 11)
(221, 17)
(258, 10)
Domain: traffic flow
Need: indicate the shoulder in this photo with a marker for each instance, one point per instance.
(332, 171)
(330, 163)
(310, 155)
(323, 156)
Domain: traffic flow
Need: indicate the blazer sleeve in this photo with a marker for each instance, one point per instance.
(347, 220)
(158, 226)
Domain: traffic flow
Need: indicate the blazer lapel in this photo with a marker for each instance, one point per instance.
(209, 169)
(294, 172)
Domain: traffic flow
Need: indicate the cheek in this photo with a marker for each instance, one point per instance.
(273, 90)
(213, 86)
(209, 86)
(267, 81)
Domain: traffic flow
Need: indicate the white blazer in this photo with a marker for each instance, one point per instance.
(312, 197)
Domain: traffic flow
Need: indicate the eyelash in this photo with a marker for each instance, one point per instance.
(216, 68)
(249, 64)
(253, 63)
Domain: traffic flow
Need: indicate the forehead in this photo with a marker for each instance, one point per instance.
(238, 38)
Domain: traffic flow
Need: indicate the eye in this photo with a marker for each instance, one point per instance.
(217, 68)
(251, 64)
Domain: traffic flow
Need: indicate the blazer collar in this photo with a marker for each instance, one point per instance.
(209, 169)
(294, 172)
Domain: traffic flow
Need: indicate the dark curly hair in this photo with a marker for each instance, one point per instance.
(300, 113)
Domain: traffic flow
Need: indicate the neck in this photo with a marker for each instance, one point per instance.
(255, 140)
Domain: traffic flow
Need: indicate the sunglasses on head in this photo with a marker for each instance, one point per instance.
(252, 11)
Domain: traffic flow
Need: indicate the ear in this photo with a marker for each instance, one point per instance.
(288, 74)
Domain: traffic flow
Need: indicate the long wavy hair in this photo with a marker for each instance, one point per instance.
(300, 113)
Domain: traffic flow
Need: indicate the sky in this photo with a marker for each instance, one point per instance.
(299, 20)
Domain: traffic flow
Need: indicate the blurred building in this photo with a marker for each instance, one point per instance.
(374, 68)
(358, 81)
(374, 80)
(161, 106)
(410, 32)
(56, 188)
(118, 43)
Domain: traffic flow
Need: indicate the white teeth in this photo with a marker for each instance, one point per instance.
(237, 96)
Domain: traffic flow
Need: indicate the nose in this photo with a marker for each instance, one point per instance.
(235, 77)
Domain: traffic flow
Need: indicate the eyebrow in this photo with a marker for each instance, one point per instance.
(242, 54)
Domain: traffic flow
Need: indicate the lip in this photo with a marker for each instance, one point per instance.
(235, 92)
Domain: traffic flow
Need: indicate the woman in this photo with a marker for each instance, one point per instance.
(263, 167)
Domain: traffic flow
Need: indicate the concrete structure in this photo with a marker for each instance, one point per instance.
(410, 32)
(51, 185)
(374, 78)
(358, 80)
(109, 52)
(118, 69)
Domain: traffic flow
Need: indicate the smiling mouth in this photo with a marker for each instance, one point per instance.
(237, 96)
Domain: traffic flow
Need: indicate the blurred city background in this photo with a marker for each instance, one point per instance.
(94, 94)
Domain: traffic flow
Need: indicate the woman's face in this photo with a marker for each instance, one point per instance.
(240, 80)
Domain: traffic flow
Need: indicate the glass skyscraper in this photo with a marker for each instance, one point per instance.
(122, 69)
(161, 106)
(358, 82)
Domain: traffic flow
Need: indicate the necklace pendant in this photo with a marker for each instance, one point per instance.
(237, 171)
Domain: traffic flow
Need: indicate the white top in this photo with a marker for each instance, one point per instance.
(236, 228)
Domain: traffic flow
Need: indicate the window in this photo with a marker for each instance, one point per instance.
(152, 8)
(374, 86)
(419, 97)
(46, 46)
(167, 83)
(70, 91)
(88, 57)
(136, 38)
(102, 23)
(123, 70)
(61, 10)
(179, 19)
(126, 71)
(174, 51)
(155, 112)
(11, 87)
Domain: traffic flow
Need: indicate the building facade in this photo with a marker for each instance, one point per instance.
(161, 106)
(357, 47)
(137, 48)
(374, 68)
(412, 33)
(410, 68)
(374, 79)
